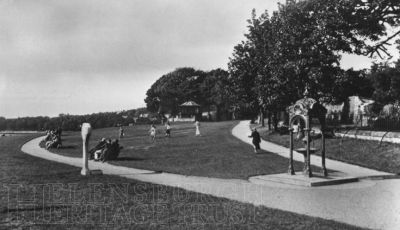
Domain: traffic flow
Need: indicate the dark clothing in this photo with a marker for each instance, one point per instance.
(111, 151)
(100, 145)
(59, 131)
(114, 150)
(256, 139)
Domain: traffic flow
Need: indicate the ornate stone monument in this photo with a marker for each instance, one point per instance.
(85, 131)
(300, 117)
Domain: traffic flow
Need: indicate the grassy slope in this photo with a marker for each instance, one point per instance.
(54, 211)
(370, 154)
(215, 154)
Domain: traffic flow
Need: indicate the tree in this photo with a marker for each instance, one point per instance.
(386, 83)
(354, 26)
(173, 89)
(215, 89)
(3, 123)
(300, 45)
(243, 71)
(350, 83)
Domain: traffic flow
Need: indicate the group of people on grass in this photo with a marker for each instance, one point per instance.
(256, 139)
(53, 138)
(153, 130)
(108, 149)
(105, 150)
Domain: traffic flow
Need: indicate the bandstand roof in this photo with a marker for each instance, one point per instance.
(190, 104)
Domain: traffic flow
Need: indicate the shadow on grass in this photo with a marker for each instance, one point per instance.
(67, 147)
(262, 153)
(129, 159)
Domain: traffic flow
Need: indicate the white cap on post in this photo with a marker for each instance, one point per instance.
(86, 131)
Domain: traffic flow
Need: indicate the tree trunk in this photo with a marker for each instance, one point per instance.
(209, 113)
(269, 120)
(276, 121)
(262, 117)
(217, 115)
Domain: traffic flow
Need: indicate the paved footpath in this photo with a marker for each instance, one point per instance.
(368, 203)
(241, 131)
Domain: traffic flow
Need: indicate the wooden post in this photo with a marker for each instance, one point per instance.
(291, 169)
(324, 171)
(86, 131)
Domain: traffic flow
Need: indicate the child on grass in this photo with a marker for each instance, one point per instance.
(197, 128)
(153, 133)
(168, 129)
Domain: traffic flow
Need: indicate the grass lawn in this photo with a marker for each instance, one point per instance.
(217, 153)
(40, 194)
(370, 154)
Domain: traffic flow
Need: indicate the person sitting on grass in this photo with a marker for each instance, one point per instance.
(153, 132)
(52, 140)
(48, 136)
(114, 150)
(105, 152)
(55, 142)
(111, 151)
(99, 146)
(256, 140)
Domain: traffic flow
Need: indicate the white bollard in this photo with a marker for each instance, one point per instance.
(86, 131)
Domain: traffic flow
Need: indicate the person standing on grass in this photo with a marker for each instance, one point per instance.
(197, 128)
(256, 140)
(153, 133)
(168, 129)
(121, 132)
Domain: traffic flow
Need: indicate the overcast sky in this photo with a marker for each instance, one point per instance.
(85, 56)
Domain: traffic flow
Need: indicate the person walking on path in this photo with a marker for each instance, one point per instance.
(256, 140)
(197, 128)
(168, 129)
(153, 133)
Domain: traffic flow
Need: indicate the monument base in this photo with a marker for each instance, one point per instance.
(299, 179)
(87, 172)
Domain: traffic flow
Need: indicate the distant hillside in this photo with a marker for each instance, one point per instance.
(69, 122)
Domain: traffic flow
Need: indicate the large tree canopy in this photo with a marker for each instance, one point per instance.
(299, 46)
(174, 88)
(386, 82)
(184, 84)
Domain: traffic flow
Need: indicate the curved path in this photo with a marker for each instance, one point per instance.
(373, 204)
(241, 130)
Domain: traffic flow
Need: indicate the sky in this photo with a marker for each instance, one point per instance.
(87, 56)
